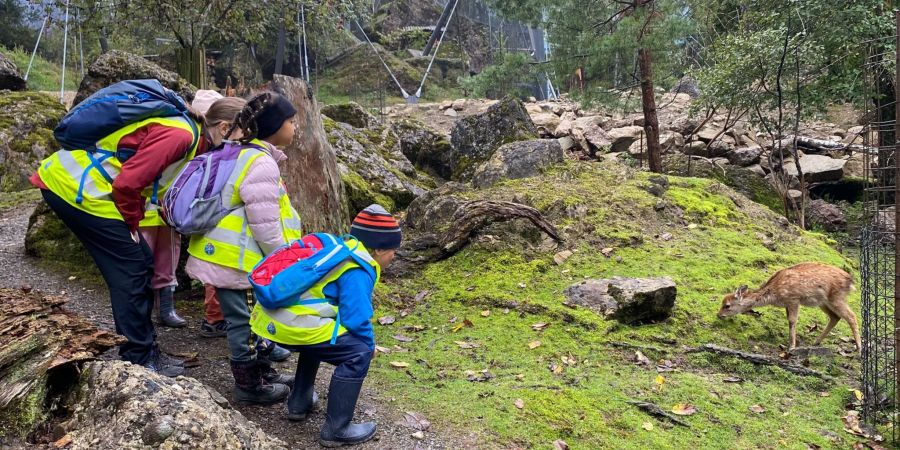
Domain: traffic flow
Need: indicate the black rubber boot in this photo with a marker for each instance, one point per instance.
(270, 375)
(250, 388)
(166, 310)
(303, 397)
(339, 430)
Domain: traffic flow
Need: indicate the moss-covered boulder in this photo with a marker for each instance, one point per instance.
(27, 120)
(116, 65)
(350, 113)
(427, 149)
(475, 138)
(743, 180)
(48, 238)
(373, 168)
(10, 77)
(518, 160)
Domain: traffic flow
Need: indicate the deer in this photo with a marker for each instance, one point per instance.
(807, 284)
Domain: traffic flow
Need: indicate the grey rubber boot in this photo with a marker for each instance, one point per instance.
(339, 430)
(166, 312)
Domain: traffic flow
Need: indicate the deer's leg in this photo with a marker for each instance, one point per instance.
(832, 321)
(793, 311)
(844, 311)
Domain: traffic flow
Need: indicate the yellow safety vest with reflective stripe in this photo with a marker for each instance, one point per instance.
(231, 242)
(84, 179)
(315, 320)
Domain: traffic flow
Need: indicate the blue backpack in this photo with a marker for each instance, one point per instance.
(284, 275)
(113, 107)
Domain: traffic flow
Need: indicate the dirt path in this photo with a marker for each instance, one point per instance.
(212, 353)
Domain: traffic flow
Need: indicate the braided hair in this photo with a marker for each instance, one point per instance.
(246, 119)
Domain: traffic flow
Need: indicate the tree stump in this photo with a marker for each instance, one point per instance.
(39, 342)
(311, 173)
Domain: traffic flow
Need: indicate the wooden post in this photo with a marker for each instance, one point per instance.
(190, 63)
(311, 171)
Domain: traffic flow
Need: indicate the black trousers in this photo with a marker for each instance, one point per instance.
(349, 355)
(127, 268)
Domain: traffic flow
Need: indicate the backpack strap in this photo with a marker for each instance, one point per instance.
(96, 163)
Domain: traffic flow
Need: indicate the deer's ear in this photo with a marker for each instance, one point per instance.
(741, 291)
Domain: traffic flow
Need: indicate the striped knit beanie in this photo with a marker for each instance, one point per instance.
(376, 228)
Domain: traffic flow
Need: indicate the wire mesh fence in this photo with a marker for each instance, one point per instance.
(879, 252)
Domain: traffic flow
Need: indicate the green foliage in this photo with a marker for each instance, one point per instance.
(513, 75)
(44, 75)
(14, 30)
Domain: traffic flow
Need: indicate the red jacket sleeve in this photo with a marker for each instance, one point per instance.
(156, 147)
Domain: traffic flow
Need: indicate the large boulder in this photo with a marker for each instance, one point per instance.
(372, 167)
(817, 168)
(121, 405)
(546, 122)
(350, 113)
(475, 138)
(27, 120)
(518, 160)
(116, 65)
(825, 215)
(427, 149)
(10, 77)
(627, 300)
(588, 132)
(745, 156)
(622, 138)
(48, 238)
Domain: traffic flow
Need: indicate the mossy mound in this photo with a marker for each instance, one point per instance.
(740, 179)
(27, 120)
(490, 326)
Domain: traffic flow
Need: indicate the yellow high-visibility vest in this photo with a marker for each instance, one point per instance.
(84, 179)
(231, 242)
(314, 320)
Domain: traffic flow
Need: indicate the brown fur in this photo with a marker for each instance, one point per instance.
(806, 284)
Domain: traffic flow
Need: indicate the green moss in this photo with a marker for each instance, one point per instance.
(360, 194)
(584, 401)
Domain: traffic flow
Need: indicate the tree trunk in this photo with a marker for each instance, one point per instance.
(648, 103)
(190, 63)
(311, 171)
(279, 50)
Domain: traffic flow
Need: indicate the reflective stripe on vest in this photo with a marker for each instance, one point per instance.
(84, 179)
(315, 320)
(231, 242)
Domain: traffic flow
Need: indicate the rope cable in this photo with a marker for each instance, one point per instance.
(34, 52)
(403, 91)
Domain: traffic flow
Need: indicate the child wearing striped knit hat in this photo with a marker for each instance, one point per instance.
(351, 352)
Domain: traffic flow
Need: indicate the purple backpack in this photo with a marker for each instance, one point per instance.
(194, 204)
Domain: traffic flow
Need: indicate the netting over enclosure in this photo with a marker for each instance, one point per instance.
(879, 251)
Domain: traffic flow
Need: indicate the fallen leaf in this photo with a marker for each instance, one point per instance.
(641, 360)
(660, 380)
(733, 380)
(73, 278)
(857, 394)
(399, 364)
(468, 323)
(556, 368)
(539, 326)
(466, 345)
(404, 313)
(415, 421)
(520, 377)
(63, 441)
(813, 447)
(402, 338)
(522, 285)
(666, 366)
(666, 236)
(534, 344)
(684, 409)
(418, 435)
(421, 296)
(692, 226)
(386, 320)
(414, 328)
(379, 349)
(519, 403)
(486, 313)
(607, 251)
(824, 394)
(647, 426)
(560, 444)
(757, 409)
(561, 257)
(470, 288)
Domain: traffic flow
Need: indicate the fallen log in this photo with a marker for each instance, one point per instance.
(657, 412)
(813, 145)
(473, 216)
(759, 359)
(38, 340)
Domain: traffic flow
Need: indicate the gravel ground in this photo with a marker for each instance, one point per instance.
(212, 354)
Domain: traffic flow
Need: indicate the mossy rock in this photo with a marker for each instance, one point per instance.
(361, 194)
(350, 113)
(116, 65)
(27, 120)
(475, 138)
(49, 239)
(740, 179)
(427, 149)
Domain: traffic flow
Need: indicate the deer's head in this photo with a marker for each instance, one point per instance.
(736, 303)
